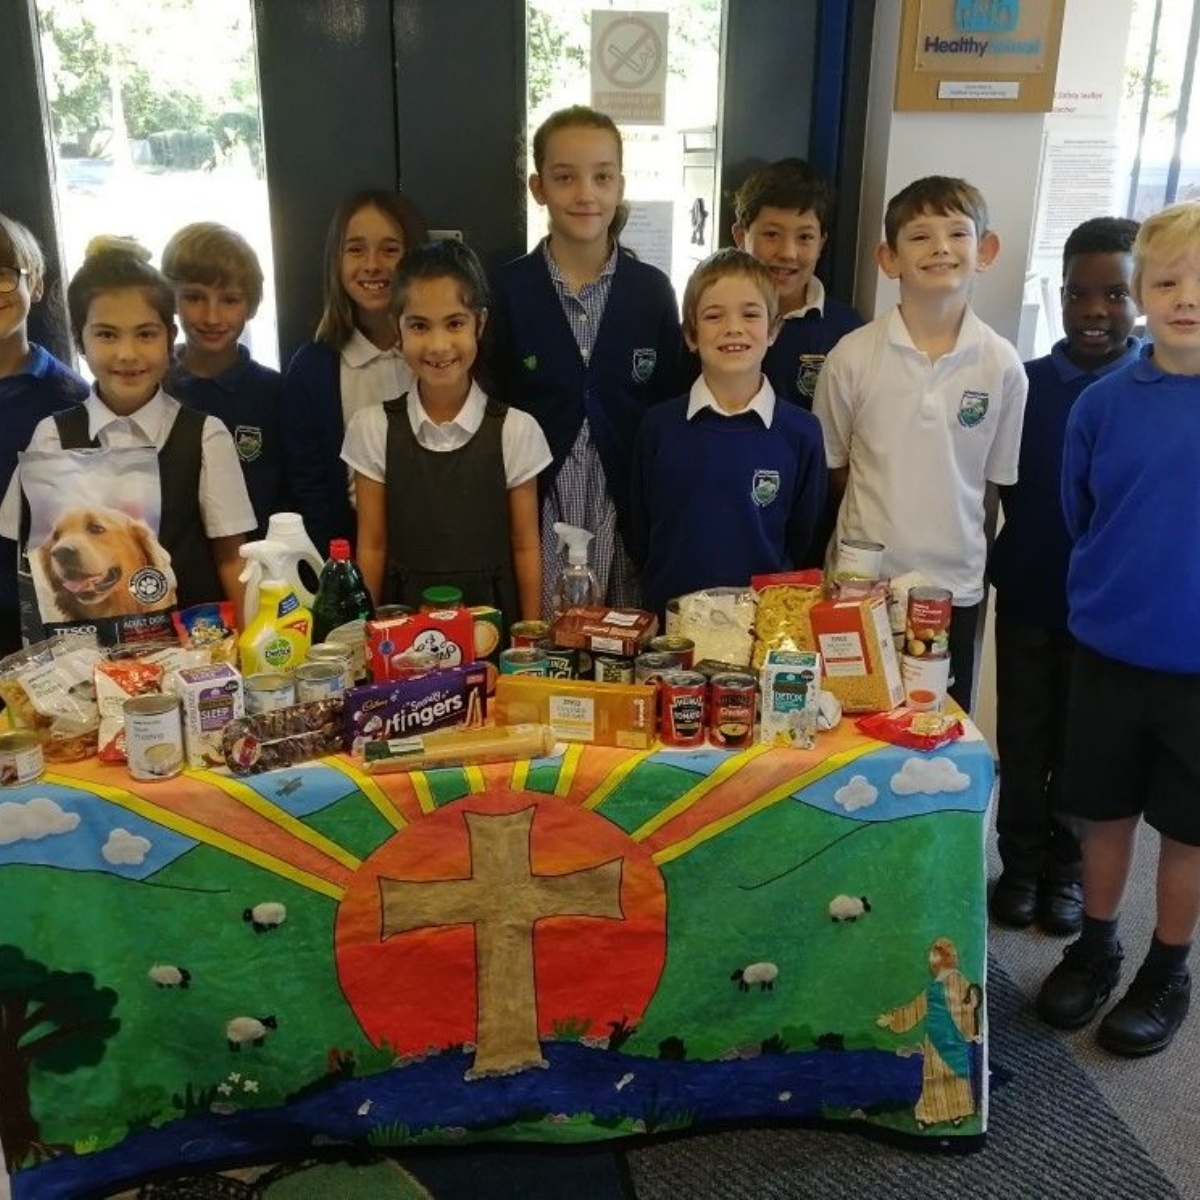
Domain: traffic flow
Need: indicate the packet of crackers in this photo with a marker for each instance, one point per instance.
(212, 627)
(782, 620)
(912, 728)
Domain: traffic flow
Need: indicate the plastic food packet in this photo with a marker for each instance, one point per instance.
(50, 687)
(458, 747)
(782, 622)
(283, 736)
(719, 621)
(211, 626)
(912, 729)
(119, 680)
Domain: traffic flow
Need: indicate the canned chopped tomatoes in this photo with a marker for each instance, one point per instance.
(682, 695)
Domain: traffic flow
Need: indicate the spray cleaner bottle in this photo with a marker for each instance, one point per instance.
(577, 583)
(270, 559)
(278, 637)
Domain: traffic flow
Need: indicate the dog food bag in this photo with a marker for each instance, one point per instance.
(50, 687)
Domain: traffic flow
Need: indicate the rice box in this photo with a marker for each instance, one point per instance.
(790, 684)
(854, 638)
(448, 634)
(447, 699)
(211, 697)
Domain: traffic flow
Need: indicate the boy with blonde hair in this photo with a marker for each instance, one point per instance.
(218, 285)
(921, 409)
(1131, 497)
(727, 482)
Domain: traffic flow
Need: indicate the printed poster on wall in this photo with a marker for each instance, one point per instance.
(629, 66)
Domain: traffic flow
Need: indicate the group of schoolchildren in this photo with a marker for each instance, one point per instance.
(445, 423)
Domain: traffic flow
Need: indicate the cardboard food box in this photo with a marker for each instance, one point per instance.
(452, 698)
(621, 631)
(211, 698)
(578, 710)
(489, 639)
(790, 683)
(858, 653)
(448, 633)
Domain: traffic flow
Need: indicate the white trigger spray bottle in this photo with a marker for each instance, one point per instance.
(577, 583)
(268, 560)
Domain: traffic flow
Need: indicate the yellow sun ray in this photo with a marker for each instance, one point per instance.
(200, 833)
(369, 788)
(601, 793)
(475, 780)
(420, 785)
(566, 773)
(520, 775)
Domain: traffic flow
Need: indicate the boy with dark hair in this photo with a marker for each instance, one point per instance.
(921, 409)
(1028, 568)
(1131, 497)
(782, 214)
(727, 482)
(218, 287)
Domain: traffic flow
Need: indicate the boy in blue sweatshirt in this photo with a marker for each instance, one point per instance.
(1028, 569)
(727, 482)
(1131, 497)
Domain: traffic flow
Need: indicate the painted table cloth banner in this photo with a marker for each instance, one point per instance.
(592, 945)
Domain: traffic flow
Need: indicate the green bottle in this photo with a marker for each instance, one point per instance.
(341, 593)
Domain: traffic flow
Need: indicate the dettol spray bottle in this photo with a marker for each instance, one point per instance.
(577, 583)
(279, 636)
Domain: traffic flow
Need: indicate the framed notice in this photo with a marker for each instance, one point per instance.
(978, 55)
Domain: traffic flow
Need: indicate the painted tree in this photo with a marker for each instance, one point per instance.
(56, 1020)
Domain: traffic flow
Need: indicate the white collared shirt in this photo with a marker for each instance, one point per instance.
(814, 297)
(763, 401)
(225, 505)
(369, 375)
(526, 452)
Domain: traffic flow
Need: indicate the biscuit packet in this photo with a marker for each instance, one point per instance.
(49, 687)
(210, 627)
(912, 729)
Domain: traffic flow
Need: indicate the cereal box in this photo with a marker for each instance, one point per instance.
(449, 634)
(212, 697)
(854, 638)
(791, 693)
(450, 698)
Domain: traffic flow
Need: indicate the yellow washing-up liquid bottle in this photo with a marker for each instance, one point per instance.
(279, 636)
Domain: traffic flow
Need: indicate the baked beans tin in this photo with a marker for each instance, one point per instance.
(267, 691)
(354, 635)
(563, 663)
(318, 681)
(338, 653)
(524, 660)
(927, 625)
(682, 694)
(859, 560)
(612, 668)
(731, 710)
(153, 737)
(673, 643)
(21, 759)
(408, 663)
(529, 633)
(653, 665)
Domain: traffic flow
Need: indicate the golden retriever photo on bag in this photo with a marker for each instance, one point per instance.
(99, 562)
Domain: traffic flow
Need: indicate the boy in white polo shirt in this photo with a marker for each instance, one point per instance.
(922, 408)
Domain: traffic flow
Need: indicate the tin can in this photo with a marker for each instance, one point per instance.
(529, 633)
(524, 660)
(318, 681)
(653, 665)
(153, 737)
(408, 663)
(337, 653)
(267, 691)
(926, 680)
(731, 710)
(21, 759)
(354, 635)
(385, 612)
(859, 560)
(672, 643)
(927, 624)
(612, 668)
(562, 663)
(682, 708)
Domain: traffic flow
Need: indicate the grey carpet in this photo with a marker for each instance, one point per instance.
(1051, 1133)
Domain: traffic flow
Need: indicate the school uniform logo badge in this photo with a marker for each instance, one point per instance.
(764, 488)
(808, 367)
(643, 364)
(249, 442)
(972, 408)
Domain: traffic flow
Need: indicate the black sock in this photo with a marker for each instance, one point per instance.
(1100, 935)
(1167, 960)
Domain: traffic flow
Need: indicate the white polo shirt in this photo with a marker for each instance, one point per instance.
(225, 505)
(922, 440)
(526, 451)
(369, 375)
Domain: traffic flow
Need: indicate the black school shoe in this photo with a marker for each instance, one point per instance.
(1014, 899)
(1148, 1016)
(1059, 907)
(1076, 990)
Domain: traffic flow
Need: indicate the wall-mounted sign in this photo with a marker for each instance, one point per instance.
(978, 55)
(629, 66)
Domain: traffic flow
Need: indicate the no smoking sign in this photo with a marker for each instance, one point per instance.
(629, 65)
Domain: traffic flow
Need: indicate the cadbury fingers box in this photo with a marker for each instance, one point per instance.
(455, 697)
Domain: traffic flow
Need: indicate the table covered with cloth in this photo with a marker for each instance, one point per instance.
(596, 944)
